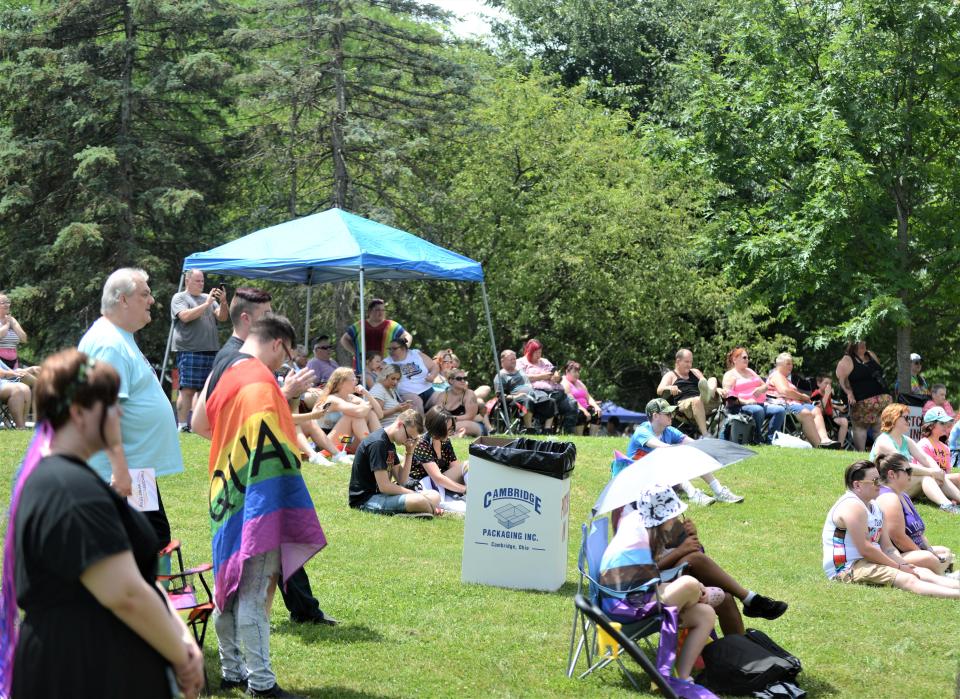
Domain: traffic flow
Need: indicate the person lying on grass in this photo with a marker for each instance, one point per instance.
(659, 433)
(627, 564)
(674, 541)
(903, 522)
(856, 545)
(377, 475)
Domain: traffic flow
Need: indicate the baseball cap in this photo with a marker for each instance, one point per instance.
(659, 405)
(937, 414)
(914, 357)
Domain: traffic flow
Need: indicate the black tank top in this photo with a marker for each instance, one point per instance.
(688, 386)
(866, 379)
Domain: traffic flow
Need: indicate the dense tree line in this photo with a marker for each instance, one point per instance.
(634, 176)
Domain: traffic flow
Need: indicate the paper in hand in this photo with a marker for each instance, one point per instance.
(143, 494)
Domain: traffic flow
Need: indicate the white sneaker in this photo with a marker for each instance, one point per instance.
(701, 498)
(320, 460)
(727, 495)
(953, 575)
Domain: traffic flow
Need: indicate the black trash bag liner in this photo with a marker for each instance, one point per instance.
(546, 457)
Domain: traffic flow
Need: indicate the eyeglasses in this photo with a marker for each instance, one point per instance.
(286, 351)
(875, 481)
(324, 347)
(458, 378)
(4, 303)
(744, 356)
(394, 348)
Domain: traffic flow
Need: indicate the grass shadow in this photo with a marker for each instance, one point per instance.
(320, 633)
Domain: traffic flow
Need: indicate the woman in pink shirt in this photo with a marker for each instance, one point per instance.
(750, 391)
(589, 409)
(545, 377)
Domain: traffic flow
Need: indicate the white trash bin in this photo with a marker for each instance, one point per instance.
(518, 511)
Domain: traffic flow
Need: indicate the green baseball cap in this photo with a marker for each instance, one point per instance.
(659, 405)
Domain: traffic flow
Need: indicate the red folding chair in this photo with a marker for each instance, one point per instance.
(185, 596)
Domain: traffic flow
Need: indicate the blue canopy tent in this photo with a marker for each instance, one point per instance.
(609, 409)
(334, 246)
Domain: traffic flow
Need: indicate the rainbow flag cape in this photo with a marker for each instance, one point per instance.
(258, 500)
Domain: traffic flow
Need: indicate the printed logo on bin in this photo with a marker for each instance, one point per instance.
(510, 514)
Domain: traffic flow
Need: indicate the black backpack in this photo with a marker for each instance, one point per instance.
(741, 665)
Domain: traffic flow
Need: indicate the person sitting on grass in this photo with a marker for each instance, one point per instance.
(627, 564)
(377, 473)
(797, 403)
(857, 548)
(385, 393)
(658, 433)
(934, 430)
(461, 402)
(359, 413)
(674, 541)
(374, 367)
(901, 519)
(927, 475)
(938, 399)
(435, 464)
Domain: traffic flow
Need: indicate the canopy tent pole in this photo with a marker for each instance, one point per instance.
(362, 337)
(166, 352)
(496, 356)
(306, 318)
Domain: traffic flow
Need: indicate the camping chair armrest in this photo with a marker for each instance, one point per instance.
(671, 574)
(169, 548)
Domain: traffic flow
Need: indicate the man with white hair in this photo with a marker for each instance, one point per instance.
(148, 428)
(195, 338)
(798, 403)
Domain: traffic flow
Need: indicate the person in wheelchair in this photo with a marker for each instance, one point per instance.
(834, 409)
(513, 383)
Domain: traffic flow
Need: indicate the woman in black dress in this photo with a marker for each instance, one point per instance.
(84, 563)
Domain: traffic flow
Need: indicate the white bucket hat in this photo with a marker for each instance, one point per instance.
(658, 504)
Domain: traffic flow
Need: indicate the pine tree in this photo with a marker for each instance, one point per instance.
(111, 154)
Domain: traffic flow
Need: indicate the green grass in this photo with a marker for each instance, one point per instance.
(410, 628)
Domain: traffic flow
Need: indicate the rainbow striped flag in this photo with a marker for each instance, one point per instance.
(389, 331)
(258, 500)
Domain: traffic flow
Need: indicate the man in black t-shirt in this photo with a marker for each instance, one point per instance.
(377, 476)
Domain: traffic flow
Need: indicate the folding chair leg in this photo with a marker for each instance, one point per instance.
(573, 657)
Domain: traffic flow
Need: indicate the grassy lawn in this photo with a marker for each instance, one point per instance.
(410, 628)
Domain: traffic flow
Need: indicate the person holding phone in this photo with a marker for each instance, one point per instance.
(82, 563)
(195, 338)
(384, 391)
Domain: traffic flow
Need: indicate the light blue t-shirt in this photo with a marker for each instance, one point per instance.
(150, 438)
(643, 433)
(953, 441)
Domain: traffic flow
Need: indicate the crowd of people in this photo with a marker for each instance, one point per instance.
(266, 406)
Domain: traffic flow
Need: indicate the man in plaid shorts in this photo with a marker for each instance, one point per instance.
(195, 338)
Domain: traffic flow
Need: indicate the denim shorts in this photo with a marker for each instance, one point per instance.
(795, 408)
(385, 504)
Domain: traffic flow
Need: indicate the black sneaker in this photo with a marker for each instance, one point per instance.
(275, 691)
(765, 607)
(320, 619)
(232, 684)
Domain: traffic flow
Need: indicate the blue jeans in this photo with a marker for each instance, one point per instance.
(758, 411)
(243, 628)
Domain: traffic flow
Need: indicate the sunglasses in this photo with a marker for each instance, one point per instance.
(394, 348)
(908, 470)
(458, 378)
(875, 481)
(324, 347)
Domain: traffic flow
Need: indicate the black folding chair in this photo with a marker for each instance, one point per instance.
(597, 617)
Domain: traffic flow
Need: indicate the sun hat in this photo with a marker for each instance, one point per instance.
(658, 504)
